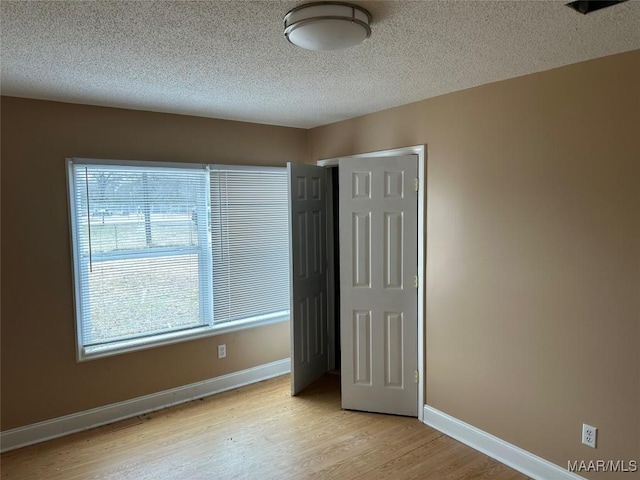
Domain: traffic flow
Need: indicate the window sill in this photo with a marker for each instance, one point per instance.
(134, 345)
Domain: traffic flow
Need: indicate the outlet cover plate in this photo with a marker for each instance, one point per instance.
(589, 435)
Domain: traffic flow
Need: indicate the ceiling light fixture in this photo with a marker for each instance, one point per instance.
(327, 25)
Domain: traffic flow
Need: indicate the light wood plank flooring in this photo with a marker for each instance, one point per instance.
(260, 432)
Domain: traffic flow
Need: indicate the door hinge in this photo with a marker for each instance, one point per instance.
(417, 184)
(417, 377)
(416, 282)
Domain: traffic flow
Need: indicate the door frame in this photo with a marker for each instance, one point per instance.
(421, 152)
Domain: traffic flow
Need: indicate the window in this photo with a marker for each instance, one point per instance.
(170, 252)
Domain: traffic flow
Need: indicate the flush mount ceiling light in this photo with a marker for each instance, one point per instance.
(327, 25)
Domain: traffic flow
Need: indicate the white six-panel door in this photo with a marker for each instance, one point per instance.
(378, 296)
(308, 257)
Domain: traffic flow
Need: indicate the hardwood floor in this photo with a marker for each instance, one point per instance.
(261, 432)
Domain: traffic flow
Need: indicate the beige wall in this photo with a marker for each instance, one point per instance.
(533, 252)
(40, 377)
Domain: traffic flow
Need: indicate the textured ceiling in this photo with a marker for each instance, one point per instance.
(229, 59)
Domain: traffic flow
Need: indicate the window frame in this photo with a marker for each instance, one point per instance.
(206, 329)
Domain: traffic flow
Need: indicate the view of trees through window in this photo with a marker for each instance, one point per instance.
(138, 231)
(138, 210)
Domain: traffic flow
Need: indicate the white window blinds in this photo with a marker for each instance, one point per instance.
(140, 252)
(163, 250)
(250, 239)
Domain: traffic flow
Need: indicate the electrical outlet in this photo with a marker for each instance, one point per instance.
(222, 351)
(589, 435)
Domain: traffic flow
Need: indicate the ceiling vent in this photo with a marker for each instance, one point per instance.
(588, 6)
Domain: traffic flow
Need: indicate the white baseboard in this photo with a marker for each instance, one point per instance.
(515, 457)
(57, 427)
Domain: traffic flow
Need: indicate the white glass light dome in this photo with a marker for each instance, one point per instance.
(327, 25)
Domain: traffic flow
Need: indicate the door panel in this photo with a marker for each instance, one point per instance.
(361, 253)
(393, 349)
(392, 260)
(362, 347)
(308, 274)
(378, 252)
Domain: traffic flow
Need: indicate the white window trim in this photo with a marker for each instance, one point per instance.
(86, 353)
